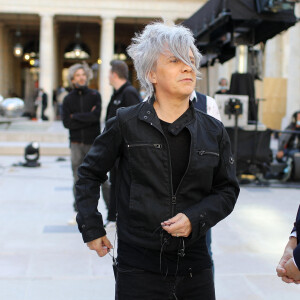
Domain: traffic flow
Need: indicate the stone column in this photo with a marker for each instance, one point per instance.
(55, 57)
(2, 59)
(273, 57)
(47, 60)
(9, 63)
(107, 43)
(293, 86)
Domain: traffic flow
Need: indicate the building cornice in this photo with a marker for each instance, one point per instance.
(121, 8)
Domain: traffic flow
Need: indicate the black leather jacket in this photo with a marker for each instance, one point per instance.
(207, 193)
(84, 124)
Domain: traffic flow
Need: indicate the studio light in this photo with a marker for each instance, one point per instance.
(31, 155)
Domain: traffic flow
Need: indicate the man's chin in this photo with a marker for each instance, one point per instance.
(80, 86)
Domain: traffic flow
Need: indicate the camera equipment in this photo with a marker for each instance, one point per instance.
(234, 107)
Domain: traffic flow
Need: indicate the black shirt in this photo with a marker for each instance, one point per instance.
(195, 258)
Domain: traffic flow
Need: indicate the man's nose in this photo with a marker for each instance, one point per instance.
(186, 68)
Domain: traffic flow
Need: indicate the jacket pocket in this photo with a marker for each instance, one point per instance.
(204, 152)
(156, 146)
(204, 164)
(208, 159)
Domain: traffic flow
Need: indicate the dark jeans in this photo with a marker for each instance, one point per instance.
(133, 284)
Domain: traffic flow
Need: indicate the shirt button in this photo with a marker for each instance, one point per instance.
(148, 112)
(145, 117)
(83, 226)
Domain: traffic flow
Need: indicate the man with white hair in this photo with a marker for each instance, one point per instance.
(81, 112)
(176, 176)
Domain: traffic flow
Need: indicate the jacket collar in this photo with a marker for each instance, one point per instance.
(148, 115)
(81, 90)
(121, 89)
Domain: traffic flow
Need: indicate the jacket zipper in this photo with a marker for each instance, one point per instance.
(157, 146)
(81, 110)
(173, 199)
(203, 152)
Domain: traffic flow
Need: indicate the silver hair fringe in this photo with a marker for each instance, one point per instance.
(155, 39)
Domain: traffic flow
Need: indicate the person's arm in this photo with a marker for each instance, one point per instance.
(92, 172)
(197, 219)
(212, 108)
(225, 190)
(92, 116)
(67, 119)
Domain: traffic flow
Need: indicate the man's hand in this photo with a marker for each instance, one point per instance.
(292, 271)
(287, 255)
(101, 245)
(179, 225)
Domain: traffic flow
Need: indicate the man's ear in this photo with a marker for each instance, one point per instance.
(152, 77)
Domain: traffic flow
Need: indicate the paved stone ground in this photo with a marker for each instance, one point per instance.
(41, 257)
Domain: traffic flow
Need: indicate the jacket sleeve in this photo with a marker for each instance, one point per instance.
(92, 172)
(91, 116)
(297, 220)
(69, 122)
(296, 255)
(222, 198)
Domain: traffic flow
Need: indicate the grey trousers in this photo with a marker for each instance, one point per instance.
(78, 152)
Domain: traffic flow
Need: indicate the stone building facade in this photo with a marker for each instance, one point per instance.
(106, 27)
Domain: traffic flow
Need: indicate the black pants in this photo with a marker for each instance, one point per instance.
(133, 284)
